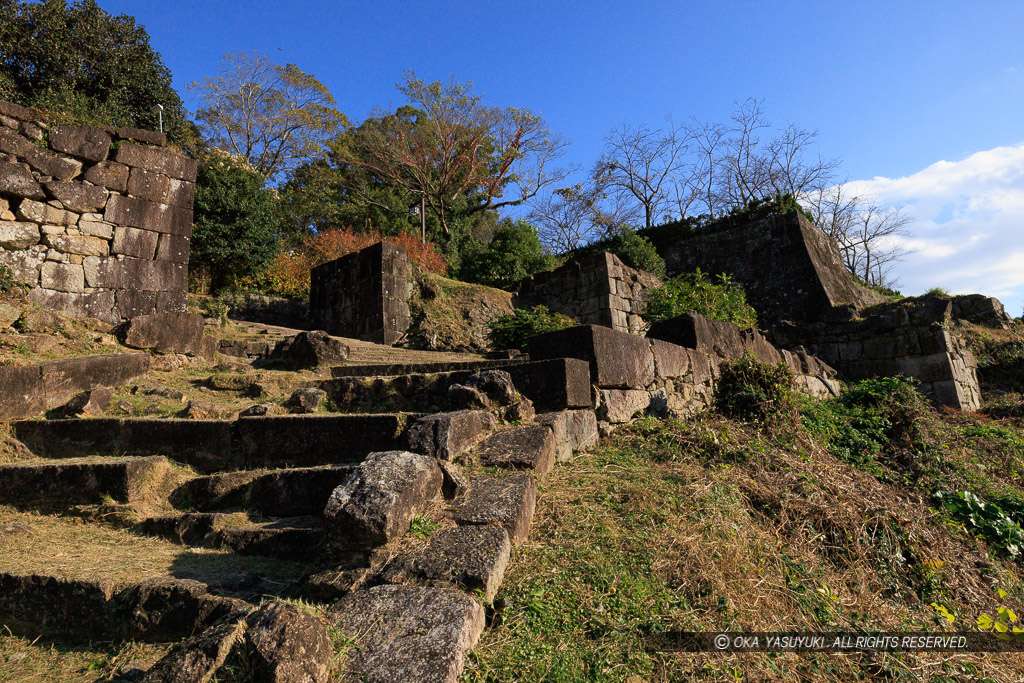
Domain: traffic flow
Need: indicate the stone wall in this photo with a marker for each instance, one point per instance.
(95, 221)
(909, 337)
(673, 372)
(363, 295)
(789, 269)
(597, 289)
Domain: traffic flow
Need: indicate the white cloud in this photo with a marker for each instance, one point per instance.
(968, 234)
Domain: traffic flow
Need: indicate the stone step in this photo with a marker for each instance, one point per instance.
(412, 368)
(278, 493)
(79, 481)
(215, 446)
(294, 538)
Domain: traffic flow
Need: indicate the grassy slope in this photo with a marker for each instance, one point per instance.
(710, 525)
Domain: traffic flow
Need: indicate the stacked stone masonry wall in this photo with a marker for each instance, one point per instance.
(910, 338)
(596, 289)
(95, 221)
(364, 295)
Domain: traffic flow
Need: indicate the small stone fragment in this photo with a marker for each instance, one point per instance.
(306, 400)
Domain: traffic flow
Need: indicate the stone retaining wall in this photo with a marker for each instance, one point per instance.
(597, 289)
(909, 337)
(788, 268)
(95, 221)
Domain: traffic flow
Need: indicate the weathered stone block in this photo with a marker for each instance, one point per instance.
(408, 633)
(159, 160)
(521, 448)
(553, 384)
(181, 193)
(77, 196)
(304, 440)
(474, 558)
(96, 229)
(166, 332)
(75, 482)
(108, 174)
(138, 213)
(311, 349)
(134, 242)
(16, 180)
(505, 501)
(14, 235)
(447, 435)
(37, 212)
(21, 392)
(288, 645)
(197, 659)
(78, 244)
(62, 277)
(89, 143)
(64, 378)
(174, 248)
(670, 360)
(377, 502)
(617, 359)
(150, 137)
(150, 186)
(99, 305)
(133, 303)
(620, 405)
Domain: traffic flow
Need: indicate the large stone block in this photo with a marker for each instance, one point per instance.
(159, 160)
(174, 248)
(447, 435)
(505, 501)
(37, 212)
(15, 235)
(621, 405)
(21, 392)
(108, 174)
(378, 501)
(89, 143)
(288, 645)
(77, 196)
(150, 137)
(530, 448)
(138, 213)
(134, 242)
(553, 384)
(306, 440)
(16, 180)
(473, 558)
(99, 305)
(617, 359)
(153, 187)
(165, 332)
(135, 303)
(74, 482)
(62, 277)
(670, 360)
(65, 378)
(408, 633)
(80, 245)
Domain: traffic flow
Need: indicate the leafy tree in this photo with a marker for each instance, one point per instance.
(83, 65)
(514, 253)
(638, 252)
(273, 116)
(449, 147)
(236, 219)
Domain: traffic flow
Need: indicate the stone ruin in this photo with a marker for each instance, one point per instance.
(95, 222)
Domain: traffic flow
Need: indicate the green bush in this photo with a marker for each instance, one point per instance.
(637, 252)
(938, 291)
(512, 331)
(718, 299)
(754, 391)
(871, 419)
(7, 281)
(513, 254)
(986, 520)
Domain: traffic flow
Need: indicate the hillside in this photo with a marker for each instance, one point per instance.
(821, 520)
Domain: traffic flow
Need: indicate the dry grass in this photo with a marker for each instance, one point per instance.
(709, 526)
(73, 548)
(24, 660)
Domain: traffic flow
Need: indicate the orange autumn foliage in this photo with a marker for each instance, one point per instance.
(288, 275)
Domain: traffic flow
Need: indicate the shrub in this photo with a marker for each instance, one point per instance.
(513, 254)
(512, 331)
(986, 520)
(718, 299)
(288, 275)
(755, 391)
(637, 252)
(7, 281)
(872, 418)
(938, 291)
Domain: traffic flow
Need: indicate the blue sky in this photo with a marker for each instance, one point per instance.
(893, 88)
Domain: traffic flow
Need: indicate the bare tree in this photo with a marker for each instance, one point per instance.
(273, 116)
(643, 164)
(572, 217)
(868, 235)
